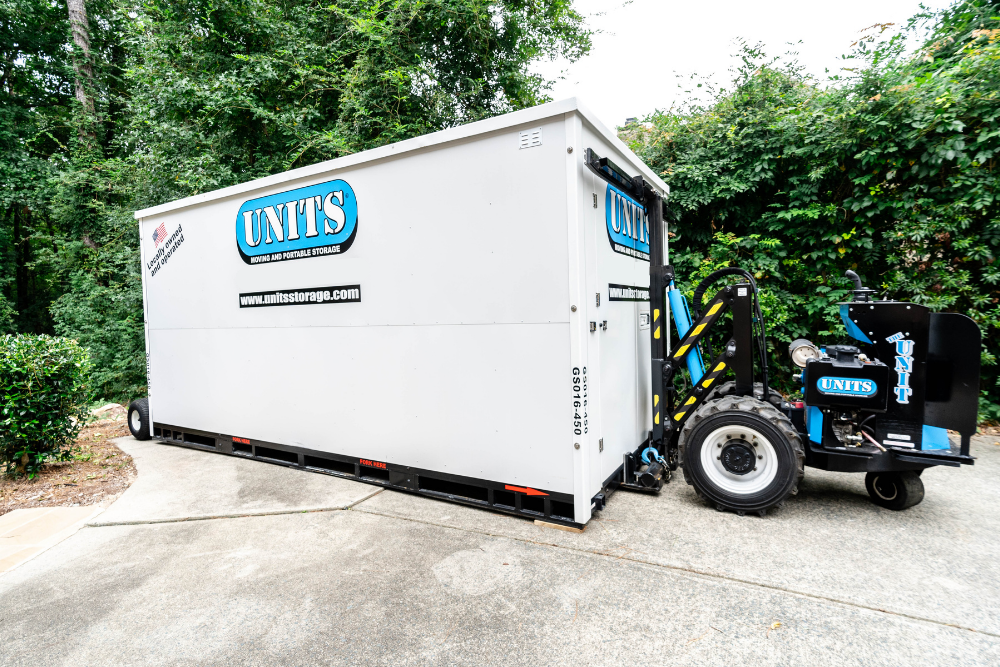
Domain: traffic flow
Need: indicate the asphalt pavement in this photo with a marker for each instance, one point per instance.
(215, 560)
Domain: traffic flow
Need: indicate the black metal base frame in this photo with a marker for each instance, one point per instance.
(485, 494)
(626, 477)
(842, 459)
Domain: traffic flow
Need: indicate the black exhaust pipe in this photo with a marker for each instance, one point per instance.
(861, 293)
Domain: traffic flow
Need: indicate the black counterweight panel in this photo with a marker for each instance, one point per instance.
(952, 397)
(885, 323)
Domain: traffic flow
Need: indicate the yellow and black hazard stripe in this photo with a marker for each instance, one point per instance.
(715, 310)
(656, 334)
(705, 384)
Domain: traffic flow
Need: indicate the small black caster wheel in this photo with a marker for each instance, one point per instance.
(138, 418)
(895, 490)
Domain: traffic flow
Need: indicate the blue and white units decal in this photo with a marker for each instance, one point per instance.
(313, 221)
(628, 229)
(904, 367)
(832, 386)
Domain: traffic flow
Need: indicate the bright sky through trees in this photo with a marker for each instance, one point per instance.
(630, 70)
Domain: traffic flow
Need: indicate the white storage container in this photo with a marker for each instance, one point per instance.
(463, 314)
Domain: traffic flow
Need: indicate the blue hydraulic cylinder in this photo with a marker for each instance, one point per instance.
(682, 318)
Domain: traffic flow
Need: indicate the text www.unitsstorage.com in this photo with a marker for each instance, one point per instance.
(300, 297)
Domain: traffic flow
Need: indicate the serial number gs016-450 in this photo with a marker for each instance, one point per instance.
(579, 401)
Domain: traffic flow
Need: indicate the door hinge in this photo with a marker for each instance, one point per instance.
(595, 200)
(600, 445)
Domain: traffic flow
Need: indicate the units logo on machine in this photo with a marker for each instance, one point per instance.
(628, 229)
(833, 386)
(904, 367)
(314, 221)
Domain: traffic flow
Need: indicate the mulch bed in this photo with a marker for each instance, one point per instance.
(98, 472)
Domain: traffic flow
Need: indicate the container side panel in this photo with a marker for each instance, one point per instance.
(475, 400)
(436, 336)
(468, 234)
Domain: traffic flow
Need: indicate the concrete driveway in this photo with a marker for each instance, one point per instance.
(216, 560)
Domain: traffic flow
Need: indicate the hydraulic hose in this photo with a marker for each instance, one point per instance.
(699, 294)
(699, 291)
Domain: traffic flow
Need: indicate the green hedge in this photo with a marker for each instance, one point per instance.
(43, 395)
(891, 171)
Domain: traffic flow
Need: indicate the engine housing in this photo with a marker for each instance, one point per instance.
(841, 379)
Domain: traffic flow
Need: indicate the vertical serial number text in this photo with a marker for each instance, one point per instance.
(579, 401)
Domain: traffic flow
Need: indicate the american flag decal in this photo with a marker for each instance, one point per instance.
(160, 234)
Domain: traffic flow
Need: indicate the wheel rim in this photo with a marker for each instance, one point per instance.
(135, 420)
(884, 489)
(737, 441)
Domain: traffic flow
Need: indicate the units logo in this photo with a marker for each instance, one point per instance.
(904, 367)
(313, 221)
(628, 229)
(846, 387)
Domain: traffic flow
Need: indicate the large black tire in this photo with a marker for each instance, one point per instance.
(138, 418)
(895, 490)
(764, 458)
(729, 389)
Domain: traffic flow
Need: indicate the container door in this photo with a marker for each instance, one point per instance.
(616, 300)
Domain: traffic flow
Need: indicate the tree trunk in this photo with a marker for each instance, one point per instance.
(22, 466)
(82, 66)
(20, 262)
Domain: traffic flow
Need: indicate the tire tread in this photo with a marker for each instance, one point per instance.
(774, 416)
(142, 405)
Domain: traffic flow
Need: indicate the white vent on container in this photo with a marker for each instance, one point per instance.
(531, 138)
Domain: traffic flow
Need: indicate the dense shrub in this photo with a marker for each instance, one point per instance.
(891, 172)
(43, 393)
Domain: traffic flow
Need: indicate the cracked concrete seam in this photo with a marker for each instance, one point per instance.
(235, 515)
(590, 552)
(694, 573)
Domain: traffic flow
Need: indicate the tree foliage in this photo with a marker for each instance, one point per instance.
(890, 171)
(189, 96)
(224, 91)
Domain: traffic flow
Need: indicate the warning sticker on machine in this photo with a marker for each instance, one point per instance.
(627, 293)
(301, 297)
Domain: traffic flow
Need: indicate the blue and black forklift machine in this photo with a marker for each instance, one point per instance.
(882, 405)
